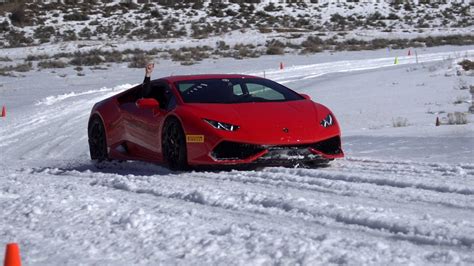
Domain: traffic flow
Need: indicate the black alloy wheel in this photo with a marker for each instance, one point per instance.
(97, 140)
(174, 145)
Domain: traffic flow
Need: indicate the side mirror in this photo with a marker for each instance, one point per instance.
(306, 96)
(147, 103)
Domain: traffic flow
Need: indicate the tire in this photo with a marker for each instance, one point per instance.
(97, 140)
(323, 163)
(174, 145)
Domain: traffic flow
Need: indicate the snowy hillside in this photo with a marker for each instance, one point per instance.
(228, 30)
(403, 195)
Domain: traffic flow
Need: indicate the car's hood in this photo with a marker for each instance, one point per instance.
(267, 122)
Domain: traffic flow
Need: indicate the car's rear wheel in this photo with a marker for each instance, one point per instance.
(174, 145)
(97, 140)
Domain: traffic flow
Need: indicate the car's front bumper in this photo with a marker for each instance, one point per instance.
(235, 153)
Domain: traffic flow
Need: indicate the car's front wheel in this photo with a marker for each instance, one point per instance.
(322, 163)
(97, 140)
(174, 145)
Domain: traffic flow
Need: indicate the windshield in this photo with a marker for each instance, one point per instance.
(234, 90)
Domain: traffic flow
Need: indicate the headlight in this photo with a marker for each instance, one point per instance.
(328, 121)
(221, 125)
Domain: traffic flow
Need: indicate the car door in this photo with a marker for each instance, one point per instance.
(143, 126)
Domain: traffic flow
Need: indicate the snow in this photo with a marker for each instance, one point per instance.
(402, 195)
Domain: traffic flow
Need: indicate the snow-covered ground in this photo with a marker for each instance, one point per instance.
(403, 195)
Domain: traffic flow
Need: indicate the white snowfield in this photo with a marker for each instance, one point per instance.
(402, 195)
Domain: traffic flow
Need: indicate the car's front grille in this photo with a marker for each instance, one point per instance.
(228, 150)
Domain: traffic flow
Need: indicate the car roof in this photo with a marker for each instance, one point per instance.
(207, 76)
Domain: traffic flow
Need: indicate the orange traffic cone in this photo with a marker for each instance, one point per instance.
(4, 112)
(281, 65)
(409, 52)
(12, 255)
(437, 122)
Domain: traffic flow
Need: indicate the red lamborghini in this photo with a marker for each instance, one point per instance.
(208, 120)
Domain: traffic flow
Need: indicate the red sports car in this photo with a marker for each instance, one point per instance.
(209, 120)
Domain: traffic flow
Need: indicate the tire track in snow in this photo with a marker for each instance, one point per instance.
(296, 73)
(58, 129)
(382, 181)
(208, 189)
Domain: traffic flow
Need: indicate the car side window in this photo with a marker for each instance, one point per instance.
(237, 90)
(171, 100)
(163, 94)
(130, 96)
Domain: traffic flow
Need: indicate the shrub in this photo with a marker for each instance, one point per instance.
(134, 51)
(201, 31)
(467, 64)
(177, 55)
(457, 118)
(36, 57)
(114, 57)
(86, 60)
(69, 35)
(85, 33)
(129, 5)
(94, 23)
(17, 39)
(138, 61)
(339, 20)
(460, 100)
(44, 33)
(198, 5)
(76, 17)
(275, 47)
(52, 64)
(379, 43)
(275, 50)
(399, 122)
(270, 7)
(104, 29)
(4, 26)
(18, 16)
(221, 45)
(5, 73)
(230, 13)
(25, 67)
(393, 16)
(375, 16)
(187, 63)
(312, 44)
(244, 51)
(265, 30)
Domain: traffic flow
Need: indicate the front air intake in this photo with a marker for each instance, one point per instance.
(330, 146)
(228, 150)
